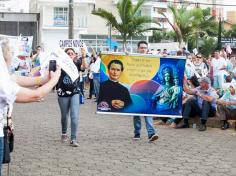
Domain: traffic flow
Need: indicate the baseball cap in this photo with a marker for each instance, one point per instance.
(205, 79)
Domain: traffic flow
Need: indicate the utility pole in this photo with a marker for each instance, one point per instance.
(71, 20)
(110, 37)
(214, 8)
(219, 45)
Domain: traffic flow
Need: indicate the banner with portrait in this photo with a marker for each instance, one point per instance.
(144, 85)
(21, 47)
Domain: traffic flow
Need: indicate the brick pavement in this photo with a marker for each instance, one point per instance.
(106, 147)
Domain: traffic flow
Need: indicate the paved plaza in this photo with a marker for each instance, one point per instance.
(106, 147)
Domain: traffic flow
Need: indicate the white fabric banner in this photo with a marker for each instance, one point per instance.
(73, 43)
(63, 60)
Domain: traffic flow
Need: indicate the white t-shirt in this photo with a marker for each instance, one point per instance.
(8, 91)
(96, 66)
(229, 97)
(217, 64)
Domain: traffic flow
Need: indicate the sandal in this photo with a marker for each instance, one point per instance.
(173, 125)
(160, 123)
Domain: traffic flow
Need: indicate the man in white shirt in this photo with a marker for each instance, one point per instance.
(218, 65)
(96, 76)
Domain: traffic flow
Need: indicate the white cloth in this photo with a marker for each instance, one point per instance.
(8, 90)
(217, 64)
(201, 69)
(91, 70)
(96, 66)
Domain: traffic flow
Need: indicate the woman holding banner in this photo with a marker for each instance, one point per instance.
(68, 98)
(13, 88)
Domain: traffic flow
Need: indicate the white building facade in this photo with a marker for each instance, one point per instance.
(92, 29)
(21, 6)
(54, 19)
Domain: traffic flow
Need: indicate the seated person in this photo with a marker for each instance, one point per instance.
(203, 104)
(226, 107)
(112, 95)
(193, 83)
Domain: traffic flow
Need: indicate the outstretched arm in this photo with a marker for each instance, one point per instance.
(29, 81)
(26, 95)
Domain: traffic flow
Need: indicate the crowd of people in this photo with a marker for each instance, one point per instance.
(208, 88)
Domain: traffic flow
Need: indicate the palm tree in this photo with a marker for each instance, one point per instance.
(128, 23)
(207, 27)
(186, 22)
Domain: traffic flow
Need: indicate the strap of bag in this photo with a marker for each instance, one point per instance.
(9, 110)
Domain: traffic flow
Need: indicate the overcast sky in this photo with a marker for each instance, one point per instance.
(24, 4)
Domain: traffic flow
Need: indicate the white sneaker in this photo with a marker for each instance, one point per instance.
(64, 138)
(74, 143)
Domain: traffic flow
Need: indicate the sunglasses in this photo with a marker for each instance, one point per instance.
(70, 53)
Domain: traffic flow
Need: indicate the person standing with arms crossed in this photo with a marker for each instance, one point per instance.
(152, 136)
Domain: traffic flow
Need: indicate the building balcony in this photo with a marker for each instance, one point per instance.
(156, 15)
(66, 2)
(160, 19)
(81, 30)
(61, 27)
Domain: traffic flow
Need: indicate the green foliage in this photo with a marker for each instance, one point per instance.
(192, 24)
(129, 22)
(186, 22)
(231, 32)
(208, 24)
(208, 45)
(208, 27)
(158, 36)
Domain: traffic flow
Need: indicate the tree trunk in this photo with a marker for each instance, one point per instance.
(71, 20)
(181, 41)
(124, 43)
(219, 46)
(197, 41)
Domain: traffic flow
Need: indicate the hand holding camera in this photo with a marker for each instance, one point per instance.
(55, 71)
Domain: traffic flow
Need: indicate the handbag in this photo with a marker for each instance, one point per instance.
(6, 148)
(8, 142)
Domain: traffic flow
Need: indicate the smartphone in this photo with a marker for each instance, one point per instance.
(52, 65)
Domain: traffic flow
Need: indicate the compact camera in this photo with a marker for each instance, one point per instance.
(52, 65)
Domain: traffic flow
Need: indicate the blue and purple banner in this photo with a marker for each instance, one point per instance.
(144, 85)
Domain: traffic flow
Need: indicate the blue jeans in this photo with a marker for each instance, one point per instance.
(1, 153)
(96, 83)
(149, 125)
(69, 104)
(191, 109)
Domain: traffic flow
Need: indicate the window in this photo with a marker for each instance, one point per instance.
(83, 22)
(162, 10)
(60, 16)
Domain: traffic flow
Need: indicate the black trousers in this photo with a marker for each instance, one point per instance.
(91, 88)
(191, 109)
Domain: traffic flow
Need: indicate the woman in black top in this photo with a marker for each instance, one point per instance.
(68, 99)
